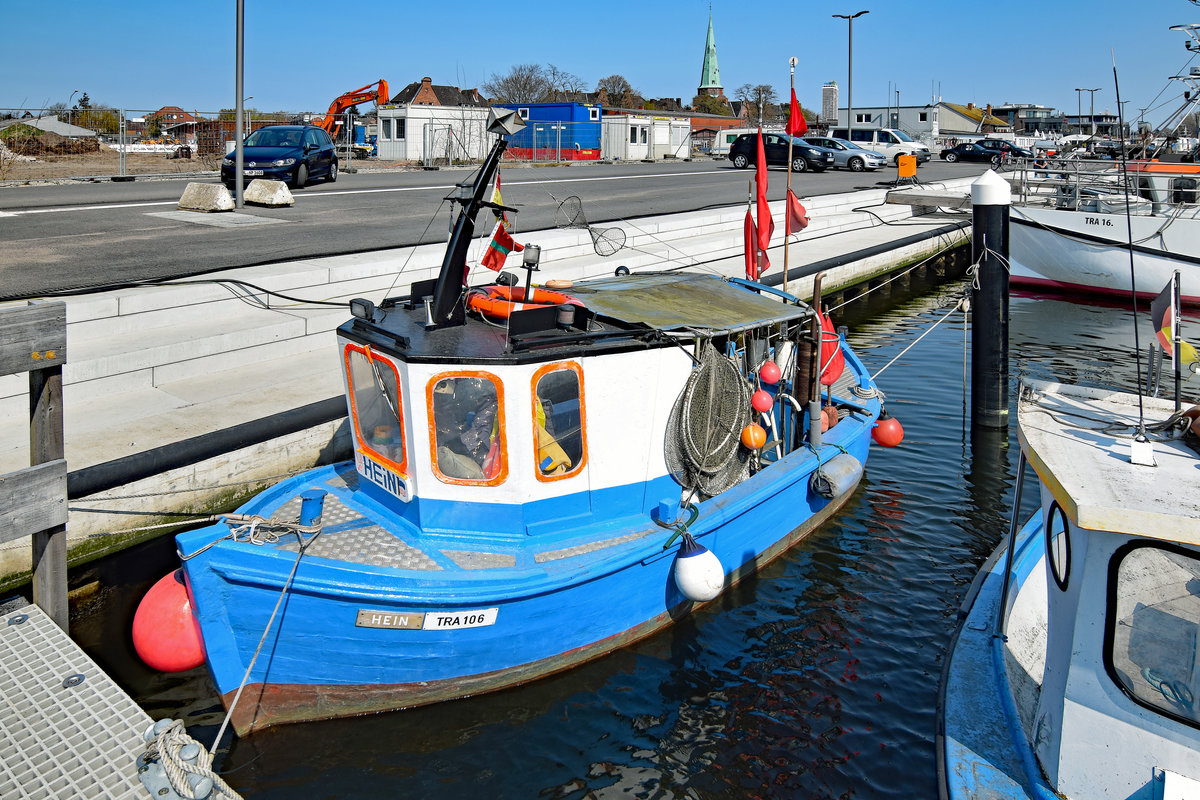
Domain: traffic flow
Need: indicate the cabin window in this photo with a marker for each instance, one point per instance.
(593, 114)
(1183, 190)
(523, 113)
(399, 128)
(386, 126)
(1152, 633)
(375, 405)
(467, 431)
(644, 129)
(922, 116)
(558, 421)
(1058, 546)
(1144, 190)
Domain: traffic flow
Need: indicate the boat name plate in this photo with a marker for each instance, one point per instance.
(429, 621)
(381, 476)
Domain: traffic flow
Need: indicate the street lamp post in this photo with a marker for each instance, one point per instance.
(1093, 111)
(897, 125)
(71, 99)
(850, 70)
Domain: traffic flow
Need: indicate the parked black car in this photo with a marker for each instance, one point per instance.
(1005, 146)
(289, 153)
(805, 156)
(969, 151)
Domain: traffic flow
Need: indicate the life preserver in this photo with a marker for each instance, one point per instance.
(501, 301)
(832, 360)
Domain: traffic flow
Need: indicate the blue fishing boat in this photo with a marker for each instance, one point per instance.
(541, 475)
(1076, 669)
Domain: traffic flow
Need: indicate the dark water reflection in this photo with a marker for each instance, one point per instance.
(815, 679)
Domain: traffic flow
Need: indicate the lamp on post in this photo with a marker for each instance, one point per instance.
(70, 100)
(850, 71)
(1093, 111)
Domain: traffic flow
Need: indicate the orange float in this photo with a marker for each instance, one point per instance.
(753, 436)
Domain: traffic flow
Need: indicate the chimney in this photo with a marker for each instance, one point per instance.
(970, 106)
(989, 109)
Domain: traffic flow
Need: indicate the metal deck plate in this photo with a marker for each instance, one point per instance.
(348, 536)
(61, 736)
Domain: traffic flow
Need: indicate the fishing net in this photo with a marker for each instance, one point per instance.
(704, 430)
(605, 241)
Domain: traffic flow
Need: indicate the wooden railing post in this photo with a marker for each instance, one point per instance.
(33, 501)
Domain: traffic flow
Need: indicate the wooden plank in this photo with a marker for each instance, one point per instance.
(49, 541)
(33, 337)
(33, 500)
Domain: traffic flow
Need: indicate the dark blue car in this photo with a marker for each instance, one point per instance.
(972, 152)
(293, 154)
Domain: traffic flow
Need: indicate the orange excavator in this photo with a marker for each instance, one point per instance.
(376, 92)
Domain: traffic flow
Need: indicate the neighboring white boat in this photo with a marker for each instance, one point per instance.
(1076, 671)
(1070, 231)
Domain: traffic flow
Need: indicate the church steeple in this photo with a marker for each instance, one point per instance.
(710, 75)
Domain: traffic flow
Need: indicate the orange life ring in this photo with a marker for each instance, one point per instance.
(501, 301)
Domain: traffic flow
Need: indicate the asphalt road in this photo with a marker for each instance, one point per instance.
(70, 238)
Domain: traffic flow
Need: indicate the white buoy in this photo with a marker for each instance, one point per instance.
(698, 572)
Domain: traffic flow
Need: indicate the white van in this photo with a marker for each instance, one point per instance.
(891, 142)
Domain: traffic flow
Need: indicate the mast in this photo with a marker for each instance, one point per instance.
(454, 265)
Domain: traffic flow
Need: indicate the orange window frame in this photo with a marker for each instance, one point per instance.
(502, 474)
(364, 445)
(534, 400)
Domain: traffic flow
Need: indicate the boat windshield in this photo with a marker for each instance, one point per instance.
(375, 401)
(1154, 629)
(467, 428)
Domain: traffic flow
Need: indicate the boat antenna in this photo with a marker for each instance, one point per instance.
(450, 280)
(1137, 345)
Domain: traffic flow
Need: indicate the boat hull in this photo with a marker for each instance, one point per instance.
(266, 704)
(1088, 252)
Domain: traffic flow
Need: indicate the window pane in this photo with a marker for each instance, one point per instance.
(467, 428)
(633, 135)
(558, 426)
(386, 133)
(1156, 629)
(376, 405)
(400, 126)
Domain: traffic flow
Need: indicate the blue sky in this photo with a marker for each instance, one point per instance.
(300, 54)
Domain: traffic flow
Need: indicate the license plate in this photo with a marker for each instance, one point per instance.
(252, 172)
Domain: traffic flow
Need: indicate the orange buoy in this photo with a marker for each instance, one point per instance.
(761, 401)
(887, 431)
(165, 633)
(753, 436)
(831, 415)
(769, 373)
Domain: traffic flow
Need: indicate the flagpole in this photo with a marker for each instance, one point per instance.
(786, 195)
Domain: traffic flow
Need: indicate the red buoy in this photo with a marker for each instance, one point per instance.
(831, 352)
(887, 431)
(165, 633)
(769, 373)
(761, 401)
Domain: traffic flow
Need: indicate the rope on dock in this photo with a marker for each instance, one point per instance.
(187, 765)
(957, 306)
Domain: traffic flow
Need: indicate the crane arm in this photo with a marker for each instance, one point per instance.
(376, 92)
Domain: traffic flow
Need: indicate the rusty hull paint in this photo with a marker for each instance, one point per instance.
(263, 706)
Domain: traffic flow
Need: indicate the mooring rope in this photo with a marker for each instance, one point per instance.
(182, 756)
(891, 278)
(912, 344)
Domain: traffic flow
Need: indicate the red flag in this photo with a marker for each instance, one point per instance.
(751, 248)
(498, 249)
(796, 124)
(766, 225)
(795, 216)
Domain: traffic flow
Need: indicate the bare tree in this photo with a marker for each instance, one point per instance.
(620, 92)
(565, 87)
(760, 99)
(524, 83)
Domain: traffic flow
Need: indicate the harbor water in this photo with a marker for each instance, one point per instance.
(817, 678)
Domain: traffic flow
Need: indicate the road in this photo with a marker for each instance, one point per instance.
(69, 238)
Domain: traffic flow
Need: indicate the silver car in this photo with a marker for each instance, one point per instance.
(848, 155)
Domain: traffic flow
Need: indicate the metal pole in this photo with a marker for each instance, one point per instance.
(239, 153)
(990, 201)
(787, 195)
(1078, 111)
(850, 72)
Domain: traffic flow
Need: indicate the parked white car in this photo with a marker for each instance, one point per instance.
(889, 142)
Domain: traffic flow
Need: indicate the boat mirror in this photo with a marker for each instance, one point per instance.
(361, 308)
